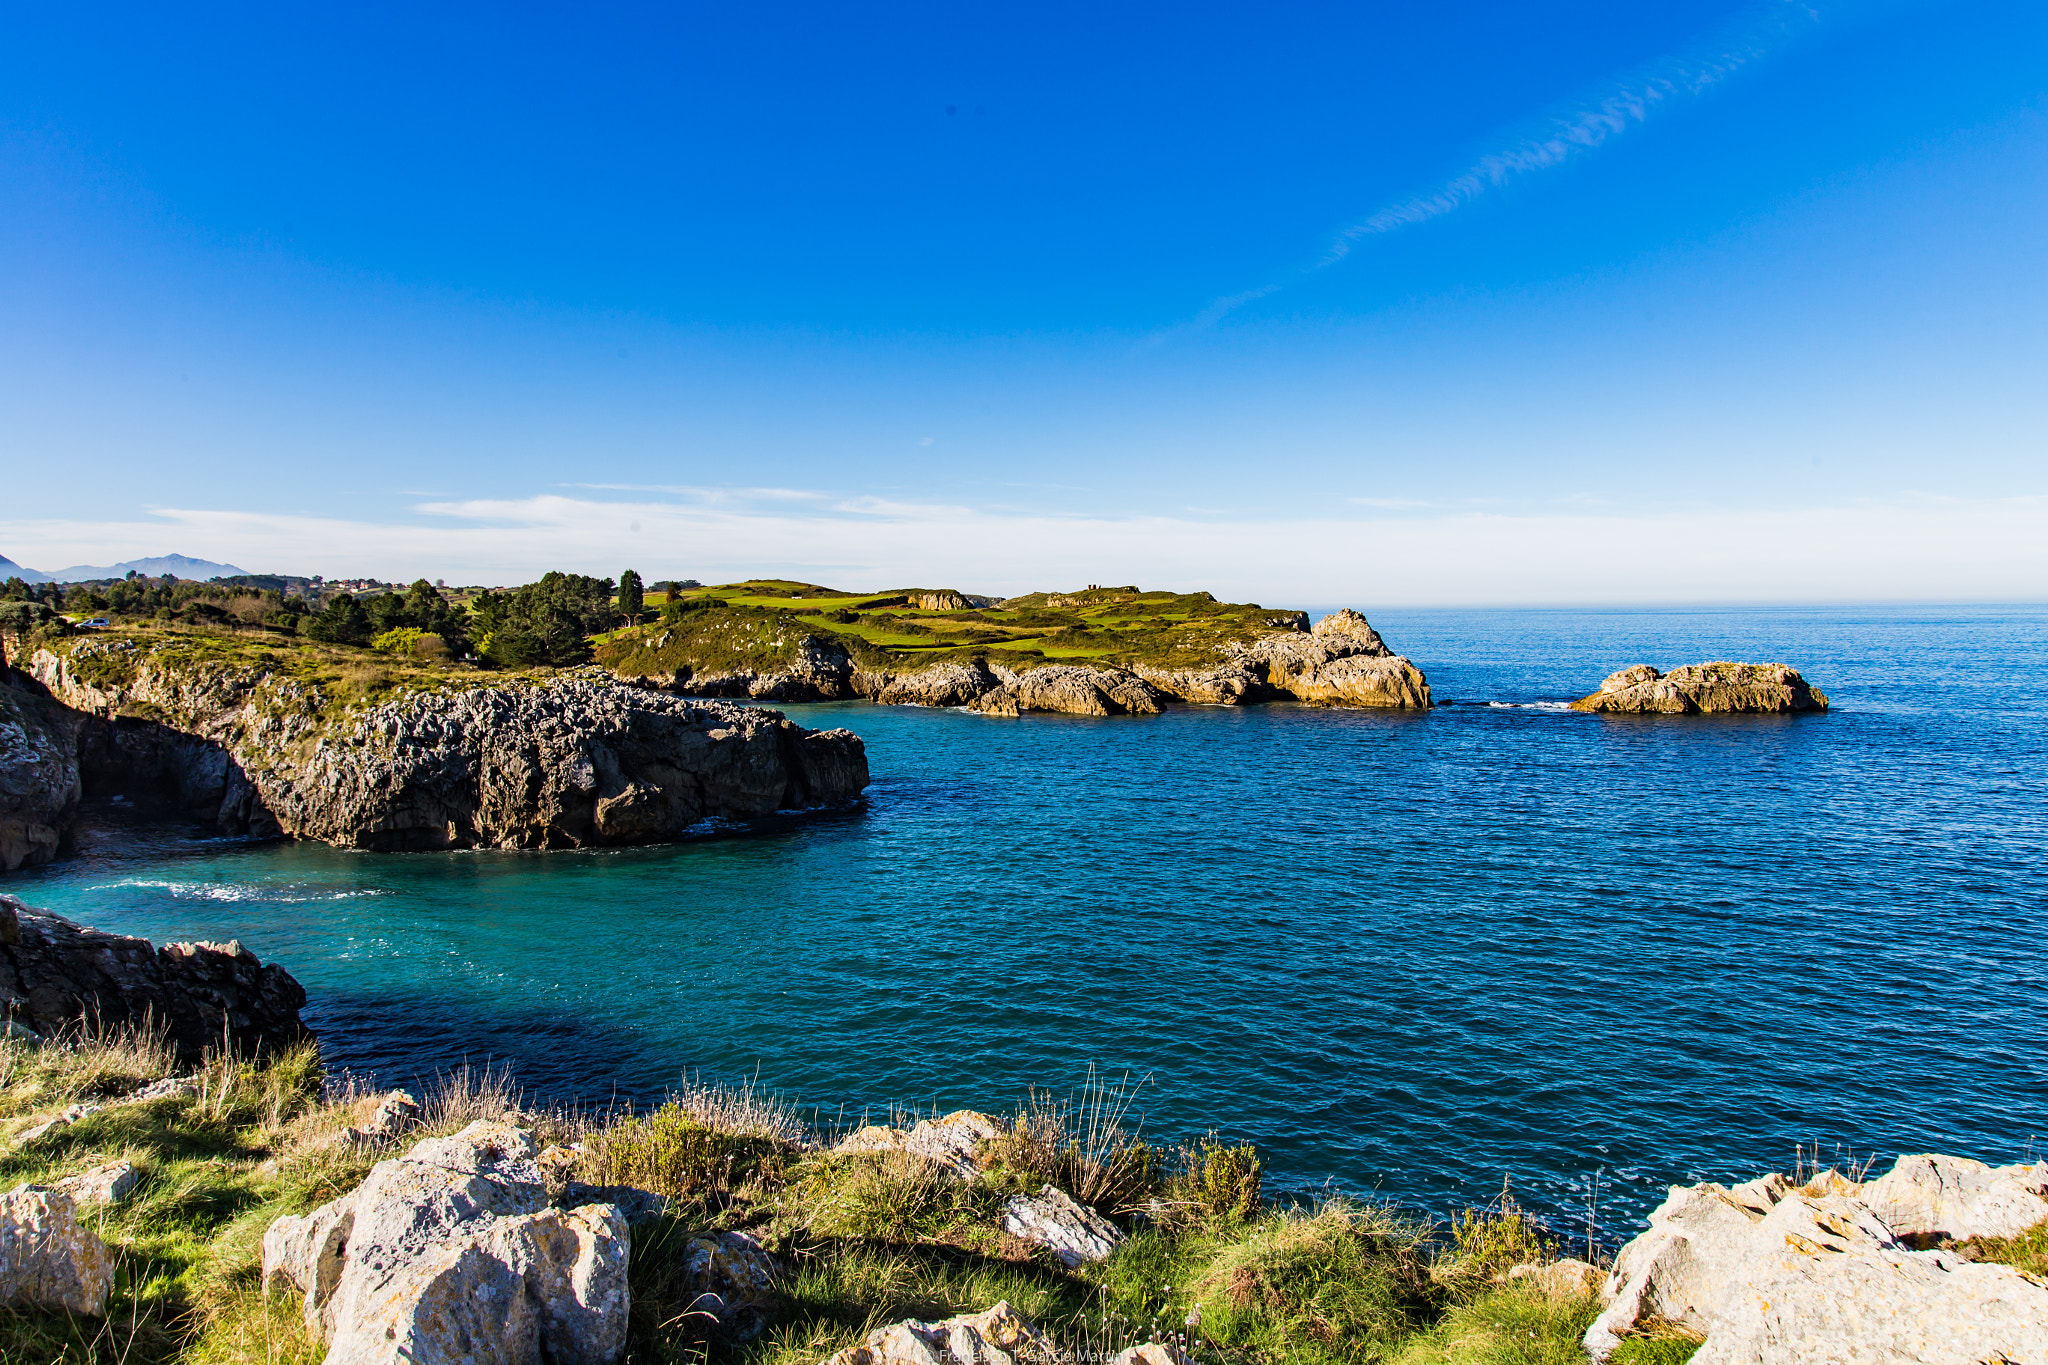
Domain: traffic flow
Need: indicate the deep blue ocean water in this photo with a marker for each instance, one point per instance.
(1407, 954)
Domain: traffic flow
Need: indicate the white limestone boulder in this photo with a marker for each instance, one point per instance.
(47, 1258)
(1000, 1336)
(1933, 1197)
(951, 1141)
(1072, 1232)
(1770, 1274)
(109, 1183)
(453, 1253)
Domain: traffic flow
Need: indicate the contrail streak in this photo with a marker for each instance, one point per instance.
(1567, 135)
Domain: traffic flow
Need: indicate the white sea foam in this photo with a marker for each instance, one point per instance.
(1530, 705)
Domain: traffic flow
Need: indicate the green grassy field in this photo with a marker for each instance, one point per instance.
(760, 625)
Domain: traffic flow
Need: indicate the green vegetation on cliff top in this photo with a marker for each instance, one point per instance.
(762, 624)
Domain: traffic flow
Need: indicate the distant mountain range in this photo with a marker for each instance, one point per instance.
(183, 566)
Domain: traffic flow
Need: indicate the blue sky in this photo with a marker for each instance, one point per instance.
(1393, 304)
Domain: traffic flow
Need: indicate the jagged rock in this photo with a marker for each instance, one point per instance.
(1342, 662)
(47, 1258)
(938, 685)
(452, 1252)
(733, 1279)
(1074, 1233)
(580, 760)
(396, 1111)
(1565, 1279)
(1769, 1273)
(945, 599)
(106, 1184)
(1802, 1306)
(20, 1033)
(951, 1141)
(1708, 687)
(1927, 1198)
(1074, 691)
(1231, 684)
(39, 776)
(56, 973)
(1000, 1336)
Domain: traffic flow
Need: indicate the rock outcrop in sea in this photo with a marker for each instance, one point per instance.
(564, 762)
(1710, 687)
(56, 975)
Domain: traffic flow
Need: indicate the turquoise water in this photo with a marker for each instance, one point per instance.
(1406, 954)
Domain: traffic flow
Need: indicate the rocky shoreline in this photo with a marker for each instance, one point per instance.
(1341, 661)
(572, 760)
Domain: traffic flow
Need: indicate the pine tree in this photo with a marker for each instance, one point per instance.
(631, 600)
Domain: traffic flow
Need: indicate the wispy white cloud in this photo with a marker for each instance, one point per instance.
(1905, 549)
(1559, 136)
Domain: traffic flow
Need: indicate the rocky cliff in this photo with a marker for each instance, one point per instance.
(39, 777)
(1708, 687)
(57, 975)
(550, 762)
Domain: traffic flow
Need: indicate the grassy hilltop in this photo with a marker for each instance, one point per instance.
(762, 623)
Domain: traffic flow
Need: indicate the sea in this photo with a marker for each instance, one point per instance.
(1414, 957)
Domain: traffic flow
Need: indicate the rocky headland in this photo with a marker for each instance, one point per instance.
(1709, 688)
(1104, 652)
(186, 725)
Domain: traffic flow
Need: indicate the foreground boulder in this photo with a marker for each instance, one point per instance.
(570, 761)
(1770, 1273)
(1074, 1233)
(47, 1259)
(1704, 688)
(454, 1253)
(56, 975)
(951, 1141)
(1000, 1336)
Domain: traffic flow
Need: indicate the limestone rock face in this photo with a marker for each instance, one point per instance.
(54, 973)
(110, 1183)
(1341, 662)
(1000, 1336)
(951, 1141)
(1072, 1232)
(453, 1252)
(578, 761)
(1927, 1198)
(1073, 691)
(733, 1277)
(47, 1259)
(1708, 687)
(39, 778)
(938, 685)
(1770, 1274)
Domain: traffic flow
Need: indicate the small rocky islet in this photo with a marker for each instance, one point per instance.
(468, 1230)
